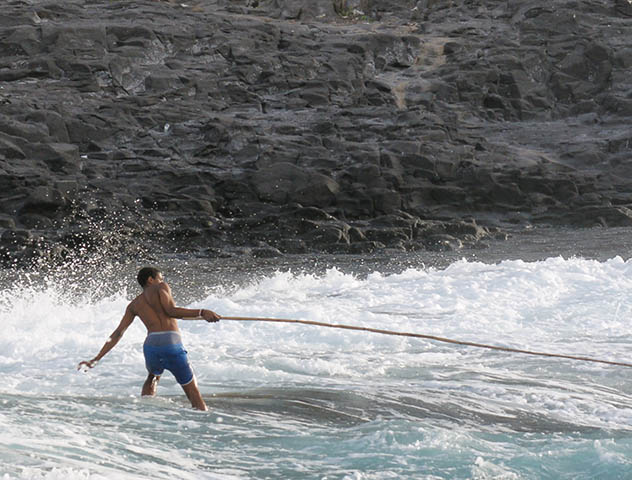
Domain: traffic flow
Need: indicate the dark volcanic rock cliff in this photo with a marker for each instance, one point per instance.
(309, 125)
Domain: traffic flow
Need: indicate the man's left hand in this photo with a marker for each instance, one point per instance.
(210, 316)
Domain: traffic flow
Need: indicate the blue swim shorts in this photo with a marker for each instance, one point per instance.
(164, 351)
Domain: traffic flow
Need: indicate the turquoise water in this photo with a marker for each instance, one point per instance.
(296, 401)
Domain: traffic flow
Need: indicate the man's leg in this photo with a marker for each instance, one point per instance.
(194, 395)
(149, 387)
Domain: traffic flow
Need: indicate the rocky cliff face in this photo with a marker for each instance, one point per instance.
(273, 126)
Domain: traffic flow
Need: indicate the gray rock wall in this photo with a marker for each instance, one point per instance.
(275, 126)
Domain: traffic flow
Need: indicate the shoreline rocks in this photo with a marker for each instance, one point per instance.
(272, 127)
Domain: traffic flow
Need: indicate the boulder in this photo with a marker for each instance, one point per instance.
(284, 182)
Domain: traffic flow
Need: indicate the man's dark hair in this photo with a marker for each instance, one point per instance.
(145, 273)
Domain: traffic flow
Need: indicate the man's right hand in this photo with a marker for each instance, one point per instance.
(87, 363)
(210, 316)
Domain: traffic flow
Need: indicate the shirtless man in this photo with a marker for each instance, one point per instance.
(163, 346)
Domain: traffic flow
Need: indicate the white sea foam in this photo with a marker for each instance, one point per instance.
(401, 397)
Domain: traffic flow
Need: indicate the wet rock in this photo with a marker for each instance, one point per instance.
(7, 222)
(388, 236)
(292, 245)
(266, 252)
(16, 238)
(284, 182)
(591, 216)
(442, 243)
(325, 233)
(311, 213)
(366, 247)
(9, 149)
(623, 7)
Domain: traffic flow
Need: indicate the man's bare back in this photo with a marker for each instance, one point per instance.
(156, 308)
(159, 313)
(148, 308)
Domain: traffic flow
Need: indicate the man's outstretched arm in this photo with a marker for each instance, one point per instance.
(169, 306)
(117, 334)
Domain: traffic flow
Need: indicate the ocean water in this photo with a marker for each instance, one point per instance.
(293, 401)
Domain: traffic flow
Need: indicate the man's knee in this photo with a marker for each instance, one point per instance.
(149, 387)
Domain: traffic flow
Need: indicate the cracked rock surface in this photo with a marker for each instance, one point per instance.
(292, 126)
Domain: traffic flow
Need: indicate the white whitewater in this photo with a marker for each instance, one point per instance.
(297, 401)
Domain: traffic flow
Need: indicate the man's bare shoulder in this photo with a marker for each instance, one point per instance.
(134, 304)
(163, 289)
(131, 306)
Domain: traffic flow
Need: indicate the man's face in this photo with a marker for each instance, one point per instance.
(158, 278)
